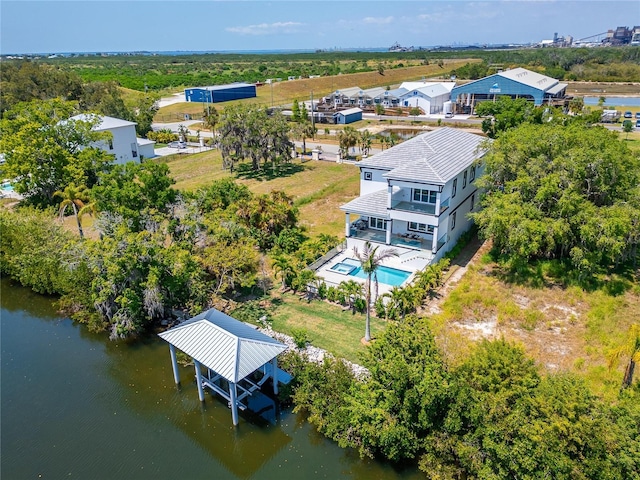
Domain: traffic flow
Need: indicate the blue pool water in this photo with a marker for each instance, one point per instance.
(7, 187)
(386, 275)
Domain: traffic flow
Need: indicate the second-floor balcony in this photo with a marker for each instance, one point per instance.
(425, 208)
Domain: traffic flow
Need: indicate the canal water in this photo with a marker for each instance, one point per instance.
(76, 405)
(614, 101)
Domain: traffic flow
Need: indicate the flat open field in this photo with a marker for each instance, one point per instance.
(286, 91)
(318, 187)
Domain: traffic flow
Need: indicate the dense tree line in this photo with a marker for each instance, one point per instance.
(493, 416)
(563, 192)
(25, 81)
(142, 72)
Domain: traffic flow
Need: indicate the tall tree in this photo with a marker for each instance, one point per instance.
(371, 260)
(295, 111)
(365, 139)
(630, 351)
(347, 138)
(74, 197)
(283, 268)
(561, 192)
(45, 151)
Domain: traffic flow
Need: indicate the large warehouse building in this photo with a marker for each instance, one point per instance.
(220, 93)
(516, 83)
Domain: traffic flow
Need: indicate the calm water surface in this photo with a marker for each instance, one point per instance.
(76, 405)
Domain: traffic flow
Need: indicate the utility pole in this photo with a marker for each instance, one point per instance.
(313, 117)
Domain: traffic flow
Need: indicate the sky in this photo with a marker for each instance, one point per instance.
(135, 25)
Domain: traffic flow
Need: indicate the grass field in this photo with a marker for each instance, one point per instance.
(318, 187)
(284, 92)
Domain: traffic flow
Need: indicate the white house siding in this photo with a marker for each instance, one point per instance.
(376, 183)
(146, 148)
(125, 145)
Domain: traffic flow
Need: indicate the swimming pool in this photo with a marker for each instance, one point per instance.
(6, 187)
(386, 275)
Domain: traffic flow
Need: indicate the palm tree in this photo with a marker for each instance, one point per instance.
(347, 138)
(75, 197)
(283, 268)
(630, 350)
(365, 138)
(352, 291)
(371, 260)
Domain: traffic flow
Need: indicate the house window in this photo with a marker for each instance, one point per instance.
(473, 173)
(420, 227)
(454, 188)
(453, 220)
(424, 196)
(110, 144)
(464, 179)
(473, 200)
(377, 223)
(368, 175)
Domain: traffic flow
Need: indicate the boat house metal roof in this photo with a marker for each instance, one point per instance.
(223, 344)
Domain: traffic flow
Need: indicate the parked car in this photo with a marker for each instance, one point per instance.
(177, 145)
(637, 115)
(628, 114)
(637, 123)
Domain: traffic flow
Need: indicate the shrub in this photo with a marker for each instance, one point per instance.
(300, 337)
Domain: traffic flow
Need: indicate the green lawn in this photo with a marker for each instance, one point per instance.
(328, 326)
(318, 187)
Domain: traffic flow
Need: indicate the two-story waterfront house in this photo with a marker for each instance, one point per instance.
(414, 199)
(418, 194)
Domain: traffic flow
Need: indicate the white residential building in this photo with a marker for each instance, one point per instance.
(418, 194)
(123, 144)
(414, 199)
(429, 96)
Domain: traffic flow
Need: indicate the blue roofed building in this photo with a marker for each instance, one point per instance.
(516, 83)
(349, 115)
(220, 93)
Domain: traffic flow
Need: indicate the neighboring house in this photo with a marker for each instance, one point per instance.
(428, 96)
(348, 116)
(391, 98)
(123, 144)
(418, 194)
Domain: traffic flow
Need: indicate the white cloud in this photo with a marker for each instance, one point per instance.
(378, 20)
(267, 28)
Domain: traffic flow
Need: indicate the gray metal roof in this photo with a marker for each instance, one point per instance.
(104, 122)
(348, 92)
(348, 111)
(527, 77)
(224, 87)
(225, 345)
(374, 92)
(398, 92)
(432, 90)
(374, 204)
(557, 89)
(433, 157)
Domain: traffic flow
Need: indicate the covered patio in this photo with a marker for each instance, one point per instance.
(230, 351)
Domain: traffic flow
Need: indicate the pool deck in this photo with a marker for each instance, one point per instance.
(408, 259)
